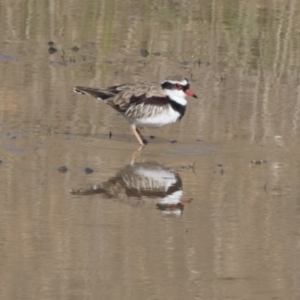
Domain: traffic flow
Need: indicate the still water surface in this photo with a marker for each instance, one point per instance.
(100, 228)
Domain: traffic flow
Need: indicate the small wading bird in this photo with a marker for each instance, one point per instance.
(145, 104)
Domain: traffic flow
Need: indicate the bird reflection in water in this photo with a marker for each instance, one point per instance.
(143, 181)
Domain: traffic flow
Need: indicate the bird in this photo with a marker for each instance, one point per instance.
(145, 104)
(142, 182)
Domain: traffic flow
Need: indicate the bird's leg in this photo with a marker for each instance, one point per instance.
(145, 142)
(137, 135)
(136, 154)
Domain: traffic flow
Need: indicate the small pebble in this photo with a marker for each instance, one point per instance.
(1, 162)
(52, 50)
(219, 165)
(144, 52)
(110, 134)
(50, 43)
(75, 49)
(88, 170)
(198, 140)
(173, 142)
(63, 169)
(152, 137)
(258, 162)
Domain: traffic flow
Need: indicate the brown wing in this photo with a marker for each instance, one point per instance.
(121, 97)
(135, 94)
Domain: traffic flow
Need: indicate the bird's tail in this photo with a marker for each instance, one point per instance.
(94, 189)
(95, 93)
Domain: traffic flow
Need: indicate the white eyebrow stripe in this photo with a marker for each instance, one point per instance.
(183, 82)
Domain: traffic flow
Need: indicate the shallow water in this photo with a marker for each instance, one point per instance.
(230, 167)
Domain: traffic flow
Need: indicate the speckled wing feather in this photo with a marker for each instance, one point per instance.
(139, 100)
(129, 95)
(135, 100)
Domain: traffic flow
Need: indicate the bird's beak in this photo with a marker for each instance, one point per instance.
(190, 93)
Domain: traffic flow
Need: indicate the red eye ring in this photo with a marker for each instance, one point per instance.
(178, 86)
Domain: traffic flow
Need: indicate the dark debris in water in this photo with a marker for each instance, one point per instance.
(258, 162)
(50, 43)
(63, 169)
(186, 63)
(88, 170)
(173, 142)
(187, 167)
(144, 52)
(220, 169)
(52, 50)
(152, 137)
(75, 49)
(1, 161)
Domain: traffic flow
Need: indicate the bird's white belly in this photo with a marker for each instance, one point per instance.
(164, 118)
